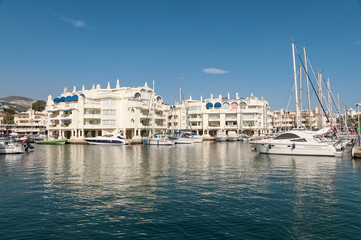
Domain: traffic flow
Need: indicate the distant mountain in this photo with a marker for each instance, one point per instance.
(21, 103)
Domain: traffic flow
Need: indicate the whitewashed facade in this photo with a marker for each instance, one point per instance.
(99, 111)
(207, 116)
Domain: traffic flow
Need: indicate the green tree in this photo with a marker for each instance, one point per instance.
(38, 105)
(9, 114)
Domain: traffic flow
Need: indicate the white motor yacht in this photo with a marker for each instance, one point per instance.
(221, 136)
(298, 142)
(11, 147)
(232, 136)
(117, 139)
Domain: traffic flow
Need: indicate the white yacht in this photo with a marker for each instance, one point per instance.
(221, 136)
(196, 138)
(184, 138)
(11, 147)
(117, 139)
(244, 137)
(298, 142)
(232, 136)
(157, 139)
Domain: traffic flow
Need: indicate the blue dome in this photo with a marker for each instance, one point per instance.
(75, 98)
(68, 98)
(217, 104)
(62, 99)
(56, 99)
(209, 105)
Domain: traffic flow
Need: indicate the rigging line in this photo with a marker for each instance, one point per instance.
(318, 98)
(333, 101)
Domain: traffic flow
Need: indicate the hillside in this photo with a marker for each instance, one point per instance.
(17, 101)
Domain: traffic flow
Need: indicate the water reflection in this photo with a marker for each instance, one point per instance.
(217, 187)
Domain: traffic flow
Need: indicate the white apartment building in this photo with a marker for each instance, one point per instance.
(136, 111)
(207, 116)
(286, 120)
(30, 122)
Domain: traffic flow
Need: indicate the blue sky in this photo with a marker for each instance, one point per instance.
(48, 45)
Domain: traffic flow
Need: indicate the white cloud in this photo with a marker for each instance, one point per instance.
(75, 23)
(214, 71)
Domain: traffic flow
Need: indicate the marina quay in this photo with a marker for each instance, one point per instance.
(139, 112)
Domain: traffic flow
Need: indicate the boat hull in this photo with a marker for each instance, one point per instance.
(12, 149)
(232, 139)
(53, 142)
(157, 142)
(183, 141)
(220, 139)
(110, 143)
(296, 149)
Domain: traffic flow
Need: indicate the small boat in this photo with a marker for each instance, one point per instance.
(52, 141)
(244, 137)
(196, 138)
(157, 139)
(11, 147)
(232, 136)
(117, 139)
(184, 138)
(221, 136)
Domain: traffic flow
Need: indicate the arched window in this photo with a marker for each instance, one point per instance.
(234, 105)
(137, 95)
(209, 105)
(226, 105)
(217, 105)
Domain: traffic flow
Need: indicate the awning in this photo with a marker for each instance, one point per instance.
(68, 98)
(62, 99)
(217, 104)
(54, 111)
(65, 110)
(65, 119)
(56, 99)
(209, 105)
(75, 98)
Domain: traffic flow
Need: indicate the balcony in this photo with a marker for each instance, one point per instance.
(92, 116)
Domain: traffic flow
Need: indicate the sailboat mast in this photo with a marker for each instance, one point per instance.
(329, 99)
(300, 95)
(296, 91)
(308, 90)
(319, 83)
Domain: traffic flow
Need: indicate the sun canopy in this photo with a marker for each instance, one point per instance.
(217, 104)
(209, 105)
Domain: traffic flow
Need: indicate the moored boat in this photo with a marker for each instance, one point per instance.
(52, 141)
(221, 136)
(157, 139)
(232, 136)
(117, 139)
(297, 142)
(11, 147)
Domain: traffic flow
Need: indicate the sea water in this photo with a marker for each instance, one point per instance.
(200, 191)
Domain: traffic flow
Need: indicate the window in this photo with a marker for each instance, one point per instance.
(299, 140)
(108, 122)
(108, 112)
(287, 136)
